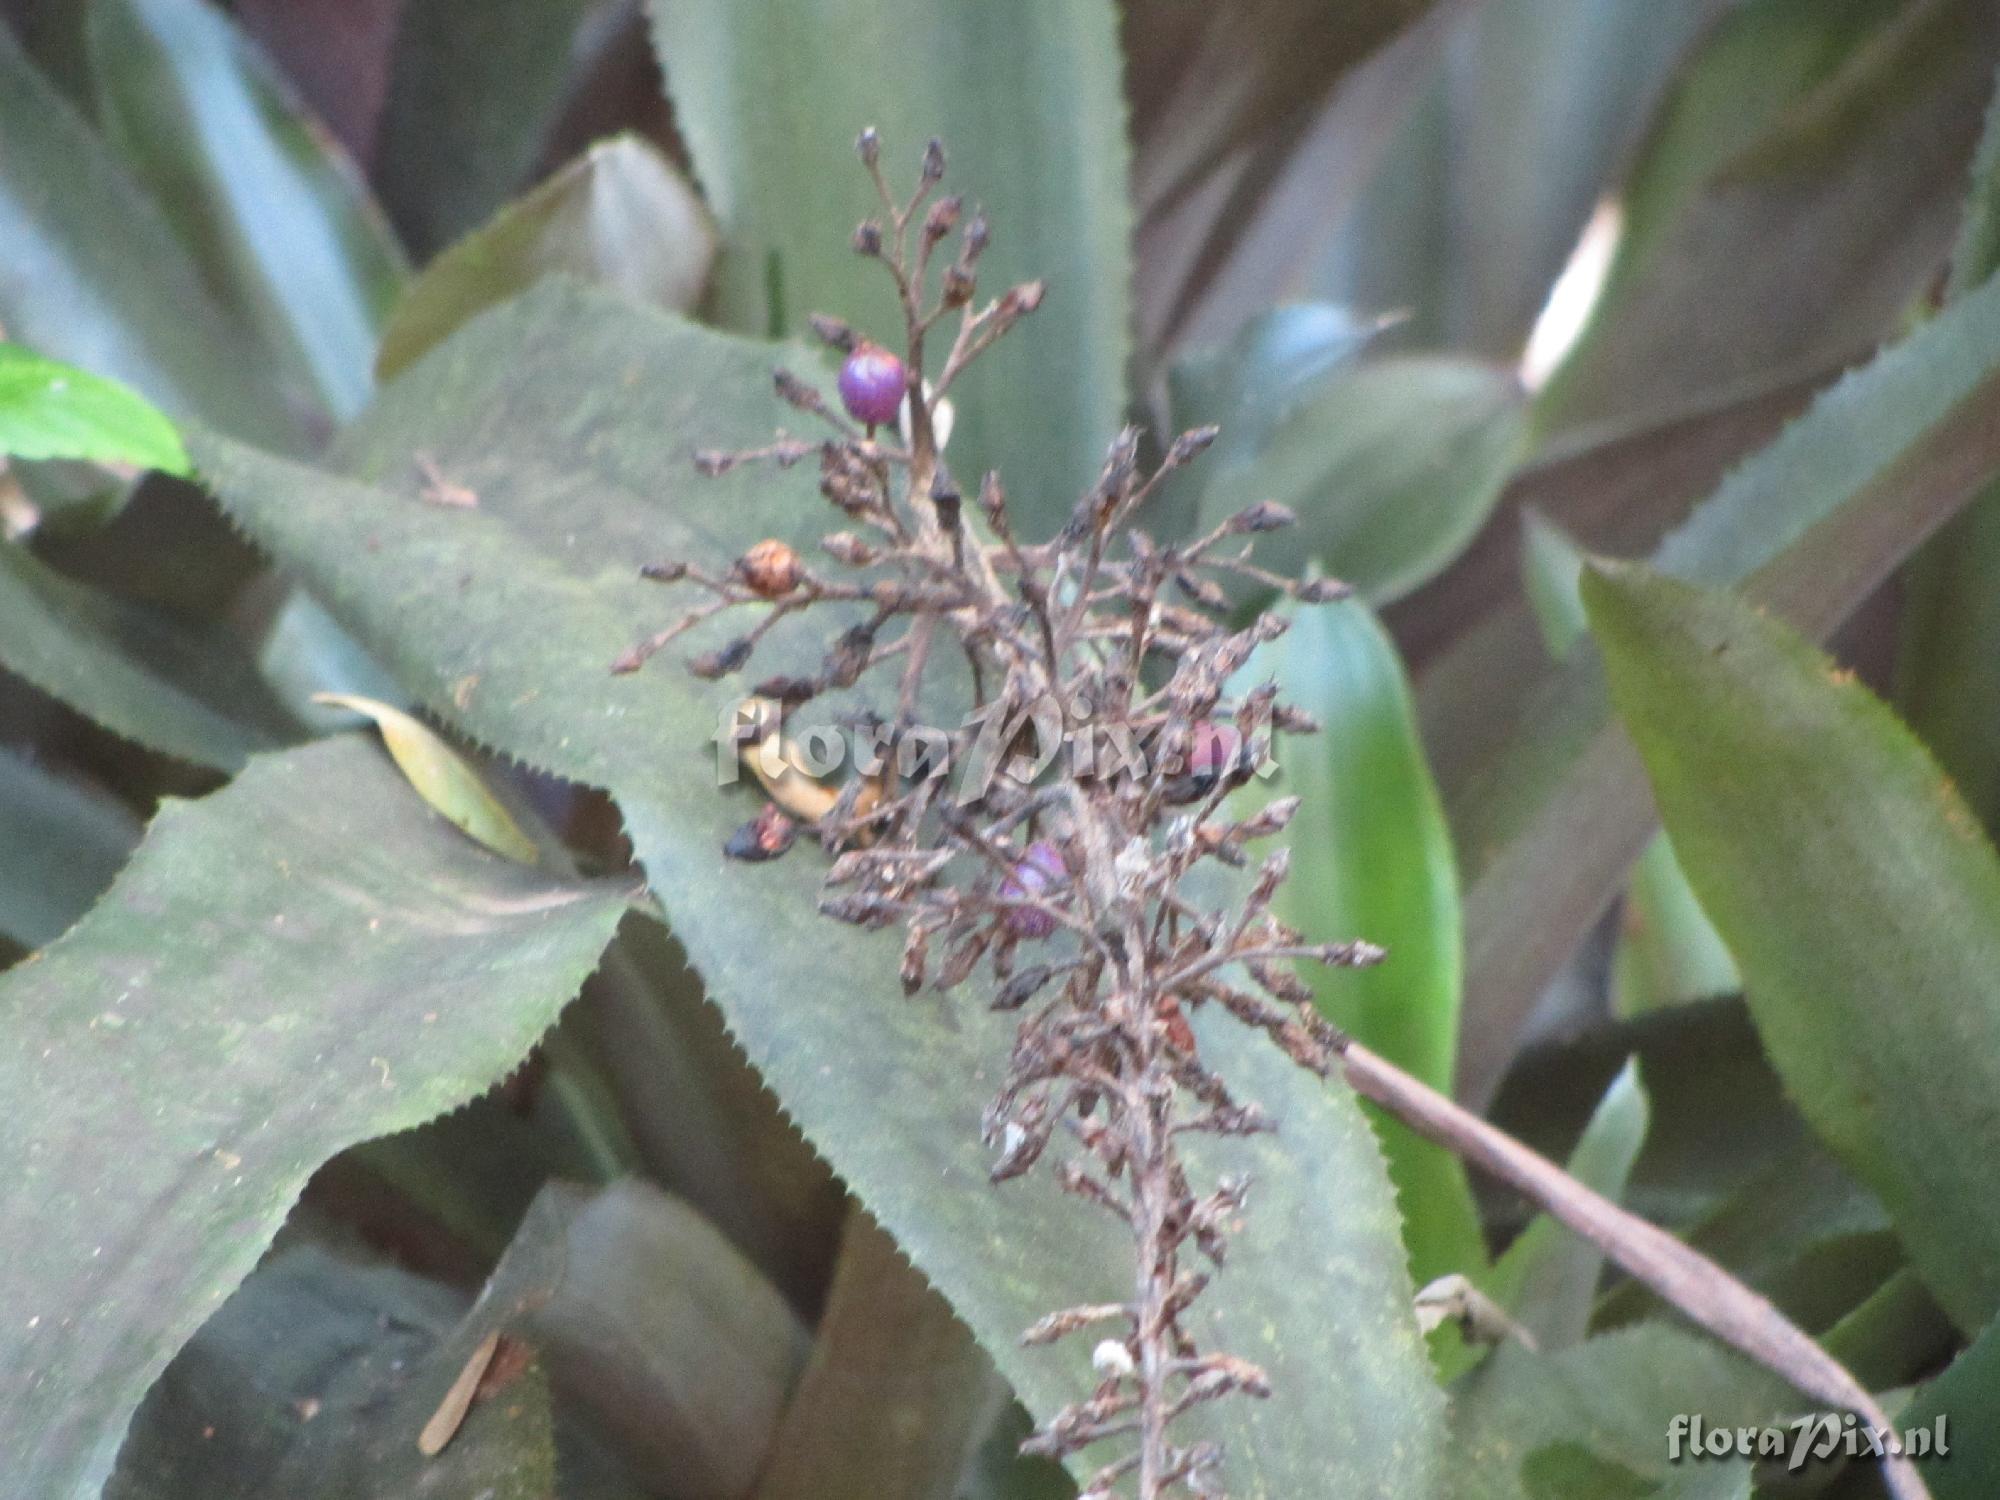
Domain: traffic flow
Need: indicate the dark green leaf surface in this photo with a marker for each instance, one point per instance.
(275, 214)
(1391, 465)
(473, 90)
(1798, 190)
(303, 960)
(91, 273)
(1496, 163)
(1810, 526)
(1965, 1396)
(771, 95)
(312, 1382)
(1858, 893)
(70, 641)
(53, 410)
(619, 216)
(61, 841)
(897, 1393)
(583, 477)
(1371, 858)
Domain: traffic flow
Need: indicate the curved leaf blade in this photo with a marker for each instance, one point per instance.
(287, 968)
(274, 213)
(619, 216)
(770, 96)
(1858, 893)
(891, 1092)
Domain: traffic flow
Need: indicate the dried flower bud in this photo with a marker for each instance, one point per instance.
(770, 569)
(1036, 871)
(671, 571)
(721, 662)
(1266, 515)
(1190, 445)
(1320, 590)
(797, 392)
(933, 161)
(1021, 300)
(978, 235)
(958, 287)
(867, 238)
(846, 547)
(869, 146)
(832, 332)
(787, 690)
(942, 218)
(710, 462)
(872, 382)
(765, 836)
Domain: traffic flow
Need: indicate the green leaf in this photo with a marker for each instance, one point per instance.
(1548, 827)
(770, 97)
(1855, 889)
(1948, 668)
(442, 777)
(1614, 1397)
(61, 841)
(274, 213)
(1840, 135)
(312, 1382)
(1964, 1398)
(473, 90)
(1668, 950)
(91, 273)
(1548, 1276)
(1494, 166)
(897, 1393)
(72, 642)
(299, 962)
(619, 215)
(581, 478)
(53, 410)
(1391, 464)
(655, 1331)
(1371, 858)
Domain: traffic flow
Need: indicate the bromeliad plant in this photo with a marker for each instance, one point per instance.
(1080, 636)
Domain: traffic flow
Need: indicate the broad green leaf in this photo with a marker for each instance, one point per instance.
(1668, 950)
(1494, 167)
(312, 1382)
(1391, 464)
(442, 777)
(72, 642)
(1796, 193)
(656, 1333)
(91, 273)
(1614, 1397)
(770, 96)
(53, 410)
(295, 964)
(897, 1391)
(1548, 1276)
(581, 478)
(274, 213)
(1371, 858)
(1894, 1335)
(473, 89)
(1964, 1398)
(61, 841)
(302, 652)
(619, 215)
(1810, 525)
(1855, 889)
(1948, 672)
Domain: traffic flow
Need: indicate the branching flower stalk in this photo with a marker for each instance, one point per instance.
(1072, 887)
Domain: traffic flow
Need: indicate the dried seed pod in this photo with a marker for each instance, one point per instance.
(771, 569)
(1265, 515)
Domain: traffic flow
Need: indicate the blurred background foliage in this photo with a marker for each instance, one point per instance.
(307, 1143)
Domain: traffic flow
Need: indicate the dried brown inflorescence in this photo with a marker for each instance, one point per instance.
(1070, 886)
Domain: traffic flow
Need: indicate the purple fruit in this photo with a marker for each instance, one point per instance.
(1041, 867)
(871, 385)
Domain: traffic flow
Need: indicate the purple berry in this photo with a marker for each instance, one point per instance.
(1041, 867)
(871, 385)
